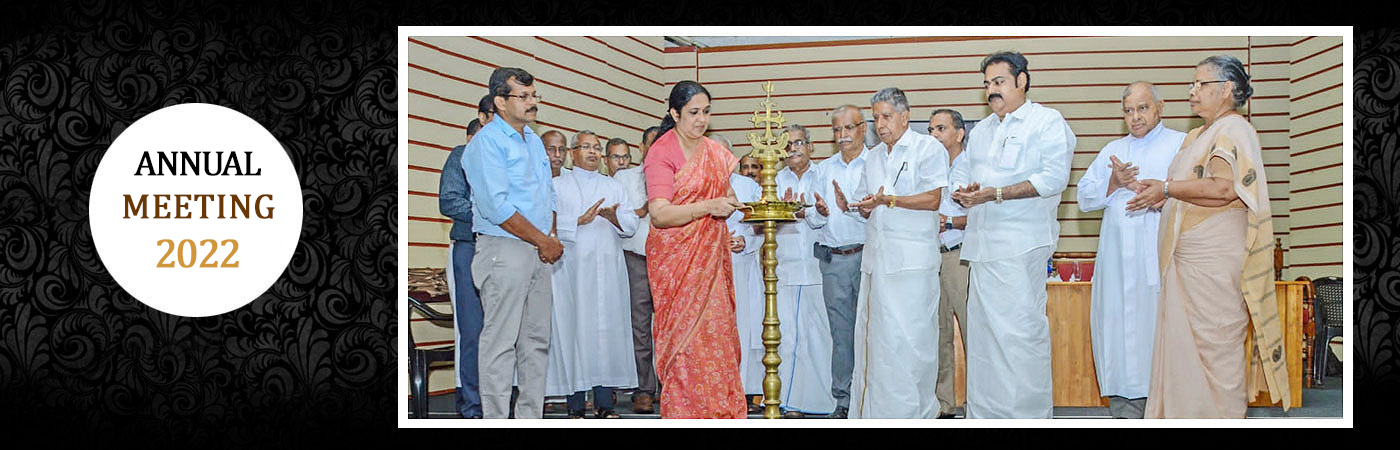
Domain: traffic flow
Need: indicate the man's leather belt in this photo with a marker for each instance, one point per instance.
(848, 251)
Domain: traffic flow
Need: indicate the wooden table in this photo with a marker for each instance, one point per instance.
(1072, 358)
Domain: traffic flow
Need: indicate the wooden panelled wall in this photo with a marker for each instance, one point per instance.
(610, 85)
(616, 86)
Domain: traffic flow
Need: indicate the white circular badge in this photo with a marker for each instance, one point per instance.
(195, 210)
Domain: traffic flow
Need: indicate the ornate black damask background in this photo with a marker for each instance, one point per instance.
(315, 357)
(1376, 209)
(317, 349)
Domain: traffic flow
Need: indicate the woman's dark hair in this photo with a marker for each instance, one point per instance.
(487, 105)
(680, 95)
(473, 127)
(1230, 68)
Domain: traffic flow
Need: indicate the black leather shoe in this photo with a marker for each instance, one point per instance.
(947, 415)
(794, 415)
(839, 413)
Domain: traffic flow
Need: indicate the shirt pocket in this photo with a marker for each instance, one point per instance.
(1010, 153)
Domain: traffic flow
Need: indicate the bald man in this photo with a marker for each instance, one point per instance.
(555, 145)
(1123, 311)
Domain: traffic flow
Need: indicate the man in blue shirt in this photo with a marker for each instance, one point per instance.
(513, 219)
(454, 201)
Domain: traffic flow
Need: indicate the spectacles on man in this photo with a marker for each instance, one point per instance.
(525, 97)
(595, 147)
(1198, 84)
(849, 128)
(798, 143)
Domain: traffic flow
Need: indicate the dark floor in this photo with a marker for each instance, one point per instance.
(1325, 401)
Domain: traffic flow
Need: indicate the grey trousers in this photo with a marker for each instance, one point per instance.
(516, 300)
(840, 289)
(1126, 408)
(641, 322)
(953, 284)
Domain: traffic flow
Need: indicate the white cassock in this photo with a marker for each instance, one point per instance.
(1007, 246)
(1123, 312)
(805, 347)
(896, 335)
(591, 339)
(748, 288)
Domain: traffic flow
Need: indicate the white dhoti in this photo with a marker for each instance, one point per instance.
(748, 314)
(805, 350)
(1008, 338)
(896, 346)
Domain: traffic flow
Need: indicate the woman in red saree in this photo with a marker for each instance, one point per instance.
(688, 263)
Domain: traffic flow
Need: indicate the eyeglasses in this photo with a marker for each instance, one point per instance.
(595, 147)
(554, 148)
(798, 143)
(1197, 84)
(525, 97)
(849, 128)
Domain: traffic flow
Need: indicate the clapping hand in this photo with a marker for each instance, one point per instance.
(1124, 174)
(840, 197)
(609, 212)
(789, 197)
(590, 214)
(1151, 194)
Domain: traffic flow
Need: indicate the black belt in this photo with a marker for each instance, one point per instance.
(848, 251)
(943, 249)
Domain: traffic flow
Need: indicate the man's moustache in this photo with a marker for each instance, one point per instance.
(533, 109)
(993, 97)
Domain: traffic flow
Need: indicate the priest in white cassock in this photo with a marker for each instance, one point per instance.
(896, 337)
(805, 348)
(744, 244)
(1017, 169)
(591, 343)
(1123, 312)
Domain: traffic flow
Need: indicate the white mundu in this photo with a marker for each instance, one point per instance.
(591, 342)
(896, 337)
(1007, 246)
(1123, 311)
(748, 288)
(805, 348)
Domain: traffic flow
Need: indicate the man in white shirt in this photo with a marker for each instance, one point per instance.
(839, 243)
(555, 149)
(946, 125)
(749, 166)
(806, 345)
(634, 253)
(896, 334)
(1123, 313)
(744, 243)
(1017, 168)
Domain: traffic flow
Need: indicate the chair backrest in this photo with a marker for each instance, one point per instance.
(1329, 299)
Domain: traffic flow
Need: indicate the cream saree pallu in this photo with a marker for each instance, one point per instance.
(1216, 278)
